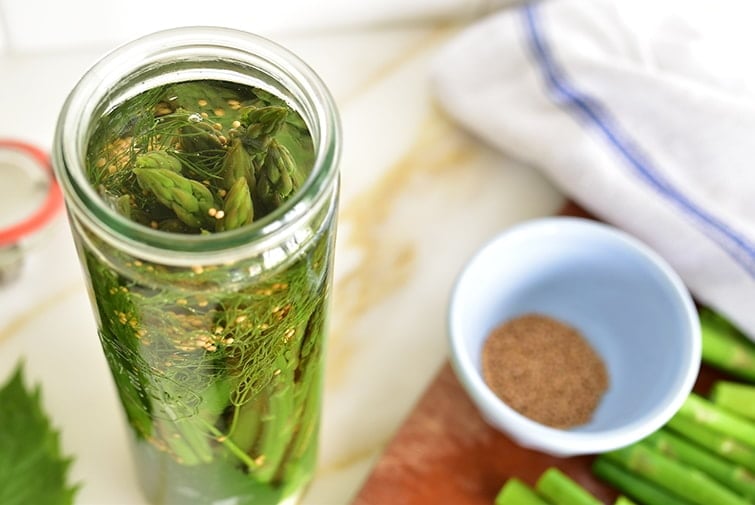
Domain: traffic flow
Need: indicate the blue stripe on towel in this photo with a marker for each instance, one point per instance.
(735, 244)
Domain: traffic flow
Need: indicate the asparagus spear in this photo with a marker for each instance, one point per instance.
(725, 446)
(560, 489)
(262, 123)
(633, 485)
(303, 448)
(735, 477)
(277, 177)
(623, 500)
(158, 159)
(725, 347)
(190, 200)
(278, 424)
(307, 397)
(709, 414)
(187, 445)
(516, 492)
(187, 434)
(246, 424)
(685, 481)
(735, 397)
(239, 210)
(238, 164)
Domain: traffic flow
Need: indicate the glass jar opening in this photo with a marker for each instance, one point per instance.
(189, 54)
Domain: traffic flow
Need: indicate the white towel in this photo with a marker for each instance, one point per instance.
(642, 112)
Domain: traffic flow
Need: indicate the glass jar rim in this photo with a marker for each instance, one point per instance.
(145, 242)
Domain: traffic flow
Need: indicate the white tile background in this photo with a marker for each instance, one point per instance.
(2, 31)
(32, 26)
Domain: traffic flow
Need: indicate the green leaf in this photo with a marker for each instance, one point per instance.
(32, 469)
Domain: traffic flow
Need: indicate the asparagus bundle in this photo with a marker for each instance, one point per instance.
(725, 347)
(553, 487)
(717, 419)
(725, 446)
(682, 480)
(733, 476)
(633, 485)
(686, 462)
(706, 453)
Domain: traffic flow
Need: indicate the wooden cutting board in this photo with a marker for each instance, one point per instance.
(445, 453)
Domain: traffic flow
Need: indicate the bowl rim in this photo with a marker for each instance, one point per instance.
(564, 442)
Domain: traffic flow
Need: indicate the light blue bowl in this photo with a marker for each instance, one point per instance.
(623, 297)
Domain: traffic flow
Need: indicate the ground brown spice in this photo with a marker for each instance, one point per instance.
(544, 369)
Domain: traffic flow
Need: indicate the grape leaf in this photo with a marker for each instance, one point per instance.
(32, 469)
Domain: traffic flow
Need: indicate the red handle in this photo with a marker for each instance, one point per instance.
(52, 203)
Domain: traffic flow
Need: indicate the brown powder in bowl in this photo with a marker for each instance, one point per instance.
(545, 370)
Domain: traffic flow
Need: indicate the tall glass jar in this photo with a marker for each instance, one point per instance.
(215, 341)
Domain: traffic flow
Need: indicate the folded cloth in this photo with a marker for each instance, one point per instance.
(642, 112)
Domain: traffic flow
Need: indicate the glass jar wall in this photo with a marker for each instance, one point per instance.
(213, 325)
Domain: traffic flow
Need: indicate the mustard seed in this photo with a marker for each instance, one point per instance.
(545, 370)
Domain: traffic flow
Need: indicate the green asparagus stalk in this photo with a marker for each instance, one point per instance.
(158, 159)
(187, 445)
(264, 424)
(725, 446)
(263, 121)
(277, 176)
(682, 480)
(516, 492)
(725, 347)
(560, 489)
(307, 397)
(186, 432)
(303, 447)
(735, 477)
(238, 163)
(735, 397)
(189, 199)
(246, 424)
(631, 484)
(709, 414)
(278, 424)
(623, 500)
(238, 207)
